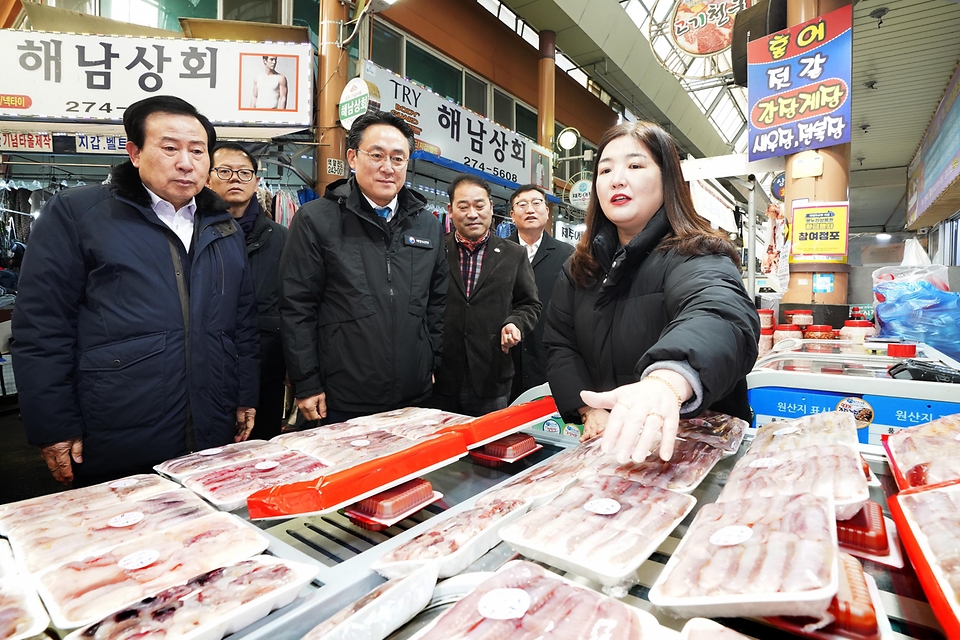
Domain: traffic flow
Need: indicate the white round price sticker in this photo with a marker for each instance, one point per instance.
(123, 483)
(127, 519)
(786, 431)
(210, 452)
(729, 536)
(139, 560)
(266, 465)
(603, 506)
(765, 463)
(504, 604)
(359, 443)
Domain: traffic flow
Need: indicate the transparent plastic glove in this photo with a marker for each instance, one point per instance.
(58, 458)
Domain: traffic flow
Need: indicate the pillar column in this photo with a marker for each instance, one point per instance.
(546, 96)
(332, 79)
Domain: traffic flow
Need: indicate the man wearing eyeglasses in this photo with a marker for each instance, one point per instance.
(363, 283)
(529, 212)
(234, 178)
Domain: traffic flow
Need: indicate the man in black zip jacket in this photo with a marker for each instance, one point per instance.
(234, 178)
(363, 283)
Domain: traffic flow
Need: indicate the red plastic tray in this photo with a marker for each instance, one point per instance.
(865, 531)
(897, 476)
(939, 601)
(346, 486)
(511, 446)
(502, 422)
(396, 500)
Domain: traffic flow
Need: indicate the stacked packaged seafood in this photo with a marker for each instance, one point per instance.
(692, 460)
(21, 614)
(925, 454)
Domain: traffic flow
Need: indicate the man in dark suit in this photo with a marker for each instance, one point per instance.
(528, 209)
(491, 305)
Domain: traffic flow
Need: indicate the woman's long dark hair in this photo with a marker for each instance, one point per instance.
(690, 234)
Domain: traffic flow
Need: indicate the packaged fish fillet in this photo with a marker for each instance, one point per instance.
(411, 422)
(832, 427)
(452, 544)
(523, 600)
(54, 542)
(307, 438)
(826, 470)
(208, 459)
(228, 487)
(691, 462)
(21, 614)
(81, 592)
(54, 506)
(349, 450)
(755, 557)
(704, 629)
(382, 611)
(603, 528)
(927, 453)
(7, 565)
(208, 606)
(717, 429)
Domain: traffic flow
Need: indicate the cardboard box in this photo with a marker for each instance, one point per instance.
(817, 284)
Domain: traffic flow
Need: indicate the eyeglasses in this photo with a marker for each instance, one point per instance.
(378, 158)
(533, 204)
(245, 175)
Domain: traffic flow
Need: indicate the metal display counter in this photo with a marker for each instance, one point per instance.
(345, 553)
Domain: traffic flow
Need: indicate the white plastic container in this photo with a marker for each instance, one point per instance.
(856, 331)
(209, 459)
(16, 591)
(704, 629)
(7, 565)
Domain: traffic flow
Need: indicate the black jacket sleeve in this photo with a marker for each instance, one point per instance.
(713, 324)
(437, 300)
(526, 302)
(248, 337)
(567, 371)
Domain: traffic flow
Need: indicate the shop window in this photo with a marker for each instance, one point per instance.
(387, 48)
(253, 10)
(432, 72)
(306, 13)
(474, 94)
(526, 122)
(503, 109)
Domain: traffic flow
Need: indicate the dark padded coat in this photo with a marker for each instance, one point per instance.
(652, 305)
(124, 338)
(361, 300)
(505, 292)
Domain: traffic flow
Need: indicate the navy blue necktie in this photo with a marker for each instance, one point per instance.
(383, 212)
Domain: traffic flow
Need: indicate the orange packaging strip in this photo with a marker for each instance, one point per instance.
(346, 486)
(500, 423)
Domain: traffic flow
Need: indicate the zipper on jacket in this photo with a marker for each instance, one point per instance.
(184, 295)
(223, 284)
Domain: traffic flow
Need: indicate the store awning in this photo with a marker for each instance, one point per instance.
(446, 169)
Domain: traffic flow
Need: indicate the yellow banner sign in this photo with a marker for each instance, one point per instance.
(820, 229)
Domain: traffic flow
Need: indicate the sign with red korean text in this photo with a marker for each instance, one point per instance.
(703, 28)
(51, 77)
(18, 141)
(820, 229)
(799, 86)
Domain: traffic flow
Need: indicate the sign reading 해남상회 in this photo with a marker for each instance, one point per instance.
(69, 78)
(458, 134)
(579, 195)
(798, 86)
(356, 99)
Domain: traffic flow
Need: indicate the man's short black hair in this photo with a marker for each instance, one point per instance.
(524, 189)
(239, 148)
(467, 178)
(374, 117)
(135, 118)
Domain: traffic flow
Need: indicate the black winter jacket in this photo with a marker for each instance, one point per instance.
(124, 338)
(264, 247)
(361, 300)
(651, 306)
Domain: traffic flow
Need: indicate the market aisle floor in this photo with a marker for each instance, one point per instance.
(22, 471)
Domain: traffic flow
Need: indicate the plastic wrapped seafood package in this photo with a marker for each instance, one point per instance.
(826, 470)
(21, 614)
(603, 528)
(412, 422)
(928, 520)
(716, 429)
(832, 427)
(523, 600)
(208, 606)
(55, 506)
(754, 557)
(704, 629)
(382, 611)
(229, 487)
(453, 544)
(7, 565)
(80, 592)
(208, 459)
(348, 450)
(54, 542)
(927, 453)
(308, 438)
(544, 482)
(691, 462)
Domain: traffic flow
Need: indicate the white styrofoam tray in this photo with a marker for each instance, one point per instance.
(211, 457)
(20, 588)
(8, 566)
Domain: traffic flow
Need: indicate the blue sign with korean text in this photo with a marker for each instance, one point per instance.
(798, 86)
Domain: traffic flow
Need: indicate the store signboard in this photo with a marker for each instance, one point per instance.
(704, 28)
(67, 77)
(18, 141)
(711, 204)
(104, 145)
(799, 86)
(579, 194)
(820, 230)
(569, 232)
(460, 134)
(937, 163)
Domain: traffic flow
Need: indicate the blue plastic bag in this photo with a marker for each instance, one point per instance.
(920, 312)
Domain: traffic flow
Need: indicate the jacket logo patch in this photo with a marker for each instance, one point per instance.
(414, 241)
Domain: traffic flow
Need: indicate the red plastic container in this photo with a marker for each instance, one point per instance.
(397, 500)
(503, 422)
(511, 446)
(866, 531)
(902, 350)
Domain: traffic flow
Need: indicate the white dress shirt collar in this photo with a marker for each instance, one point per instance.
(392, 205)
(531, 248)
(180, 220)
